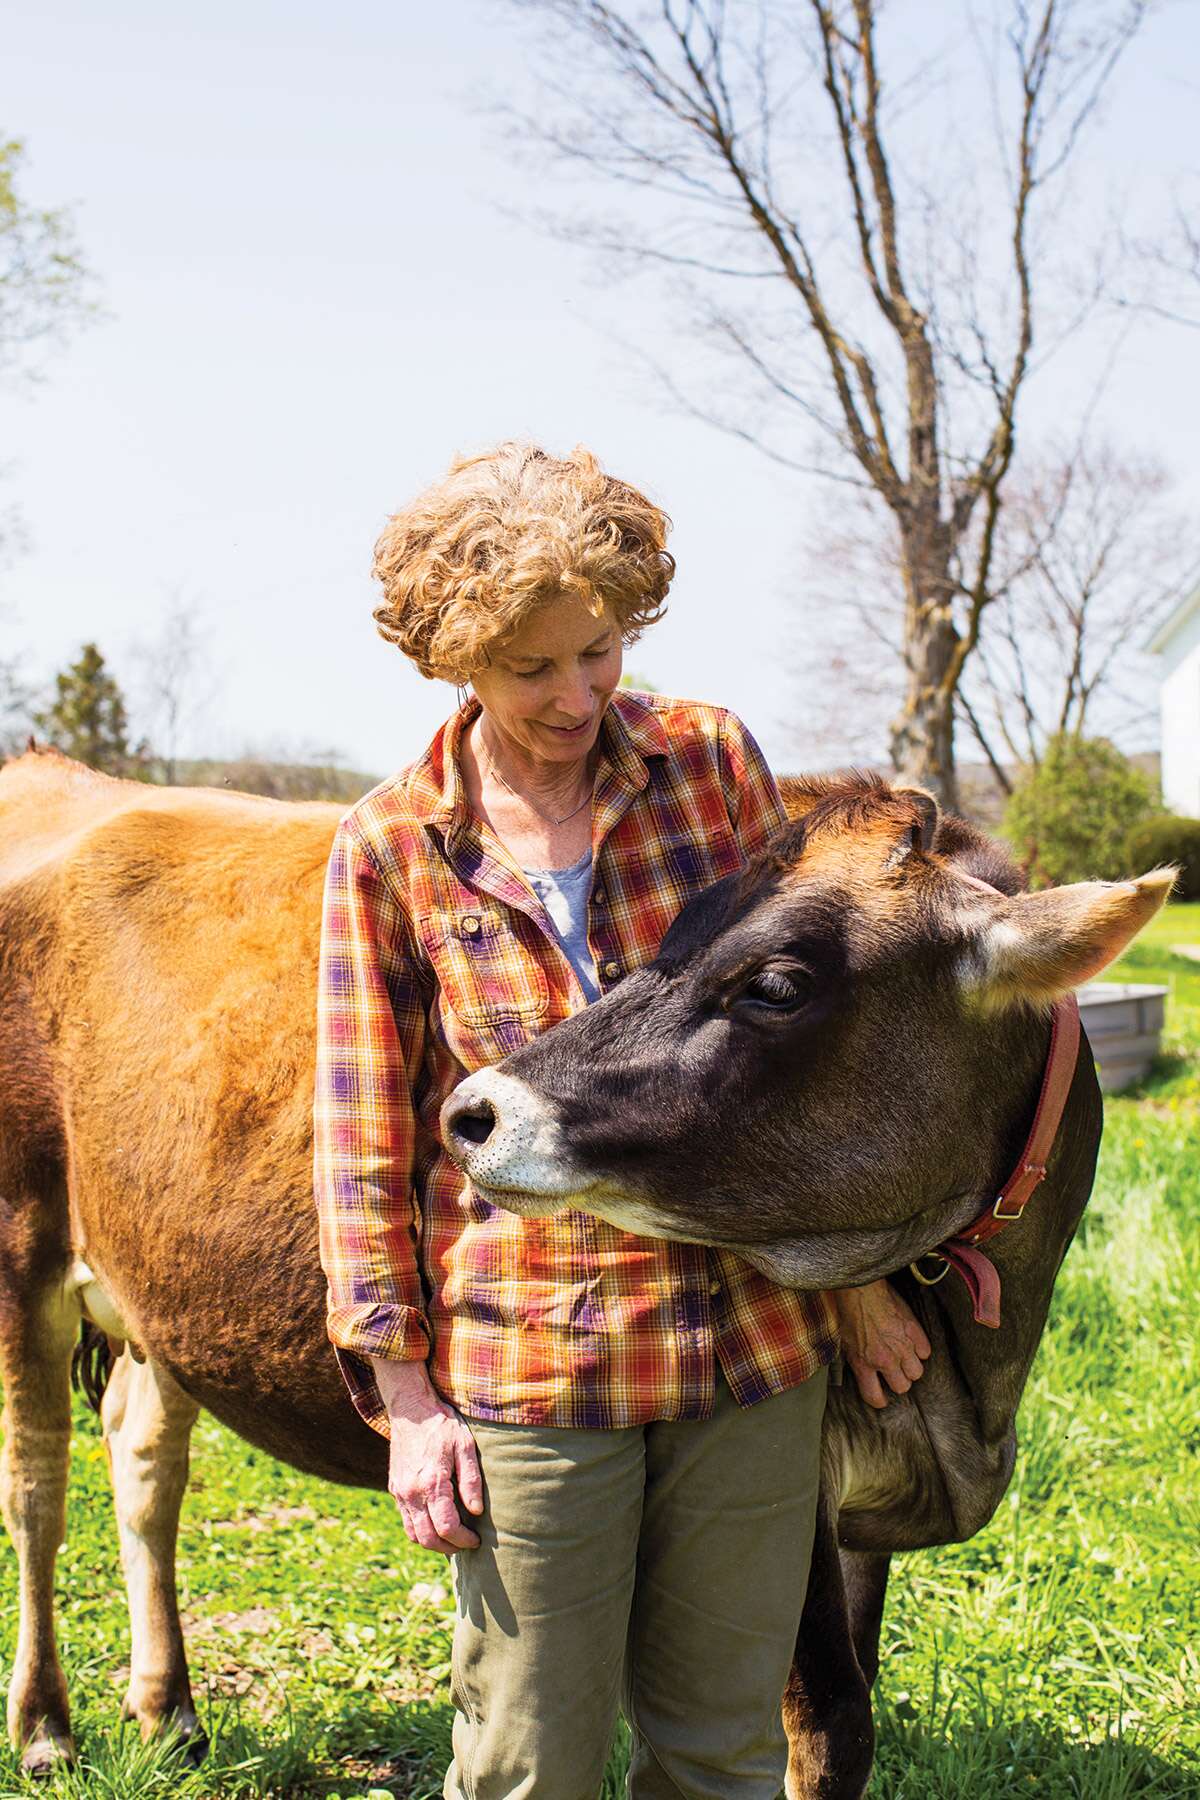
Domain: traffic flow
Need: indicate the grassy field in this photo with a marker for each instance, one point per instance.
(1056, 1655)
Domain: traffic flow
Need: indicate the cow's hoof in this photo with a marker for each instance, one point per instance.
(177, 1729)
(44, 1755)
(191, 1742)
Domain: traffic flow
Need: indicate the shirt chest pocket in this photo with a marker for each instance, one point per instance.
(488, 975)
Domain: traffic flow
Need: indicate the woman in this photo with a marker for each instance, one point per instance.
(616, 1437)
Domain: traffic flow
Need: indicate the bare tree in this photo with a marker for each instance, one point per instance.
(846, 649)
(17, 700)
(886, 315)
(1167, 265)
(177, 684)
(1090, 557)
(1089, 554)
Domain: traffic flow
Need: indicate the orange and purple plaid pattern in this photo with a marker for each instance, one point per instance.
(436, 960)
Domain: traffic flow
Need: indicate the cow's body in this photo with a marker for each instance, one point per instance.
(159, 952)
(157, 980)
(157, 986)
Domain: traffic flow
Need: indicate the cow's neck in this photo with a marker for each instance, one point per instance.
(984, 1368)
(933, 1467)
(1027, 1253)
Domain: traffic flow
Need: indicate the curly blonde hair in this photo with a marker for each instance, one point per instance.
(466, 563)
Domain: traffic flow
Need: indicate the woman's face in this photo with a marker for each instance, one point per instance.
(546, 689)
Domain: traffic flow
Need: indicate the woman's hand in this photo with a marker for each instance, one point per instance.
(880, 1336)
(432, 1452)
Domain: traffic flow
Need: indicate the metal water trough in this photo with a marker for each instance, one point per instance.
(1124, 1023)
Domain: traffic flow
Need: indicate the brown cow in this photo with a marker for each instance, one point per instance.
(157, 976)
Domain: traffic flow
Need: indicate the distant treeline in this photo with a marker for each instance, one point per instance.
(277, 780)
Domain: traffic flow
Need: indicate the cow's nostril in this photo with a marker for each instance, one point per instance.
(475, 1123)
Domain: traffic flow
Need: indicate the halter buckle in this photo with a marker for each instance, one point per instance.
(1038, 1171)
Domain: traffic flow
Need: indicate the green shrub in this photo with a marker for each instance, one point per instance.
(1070, 818)
(1168, 839)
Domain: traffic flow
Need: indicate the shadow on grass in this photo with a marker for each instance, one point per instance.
(1167, 1068)
(407, 1749)
(1002, 1758)
(377, 1745)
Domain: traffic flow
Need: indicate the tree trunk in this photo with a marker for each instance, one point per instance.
(922, 740)
(922, 733)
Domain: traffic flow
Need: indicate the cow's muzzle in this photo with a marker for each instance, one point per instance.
(506, 1140)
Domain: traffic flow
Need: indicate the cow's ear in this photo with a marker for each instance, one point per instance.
(1039, 946)
(800, 793)
(927, 817)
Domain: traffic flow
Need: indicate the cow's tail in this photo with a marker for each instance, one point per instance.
(91, 1364)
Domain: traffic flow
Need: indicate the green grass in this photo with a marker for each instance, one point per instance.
(1057, 1654)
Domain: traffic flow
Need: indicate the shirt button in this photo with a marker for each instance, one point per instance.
(470, 925)
(599, 897)
(714, 1287)
(611, 971)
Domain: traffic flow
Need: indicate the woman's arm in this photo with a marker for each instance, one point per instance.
(370, 1041)
(752, 798)
(370, 1045)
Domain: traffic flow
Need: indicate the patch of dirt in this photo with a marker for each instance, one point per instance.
(233, 1679)
(264, 1518)
(258, 1621)
(405, 1686)
(384, 1777)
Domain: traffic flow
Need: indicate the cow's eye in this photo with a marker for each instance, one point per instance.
(775, 988)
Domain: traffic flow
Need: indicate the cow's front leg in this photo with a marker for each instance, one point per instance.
(37, 1335)
(865, 1578)
(147, 1421)
(827, 1706)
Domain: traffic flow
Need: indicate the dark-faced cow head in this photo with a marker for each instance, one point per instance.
(826, 1063)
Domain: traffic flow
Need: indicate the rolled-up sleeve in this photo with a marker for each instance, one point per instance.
(370, 1043)
(752, 795)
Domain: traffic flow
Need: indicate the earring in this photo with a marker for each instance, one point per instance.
(462, 696)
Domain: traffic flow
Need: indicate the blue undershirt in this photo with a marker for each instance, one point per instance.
(564, 895)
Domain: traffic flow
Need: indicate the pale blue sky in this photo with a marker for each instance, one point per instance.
(315, 298)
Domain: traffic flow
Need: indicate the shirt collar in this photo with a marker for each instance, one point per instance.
(630, 731)
(435, 787)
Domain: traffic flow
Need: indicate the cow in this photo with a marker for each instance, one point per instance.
(832, 1067)
(158, 953)
(158, 957)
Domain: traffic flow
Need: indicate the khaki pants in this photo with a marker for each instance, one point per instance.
(661, 1569)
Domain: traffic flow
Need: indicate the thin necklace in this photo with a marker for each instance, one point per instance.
(533, 807)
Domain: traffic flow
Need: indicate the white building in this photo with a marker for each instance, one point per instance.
(1178, 643)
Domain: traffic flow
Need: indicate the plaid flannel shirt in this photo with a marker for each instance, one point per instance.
(436, 960)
